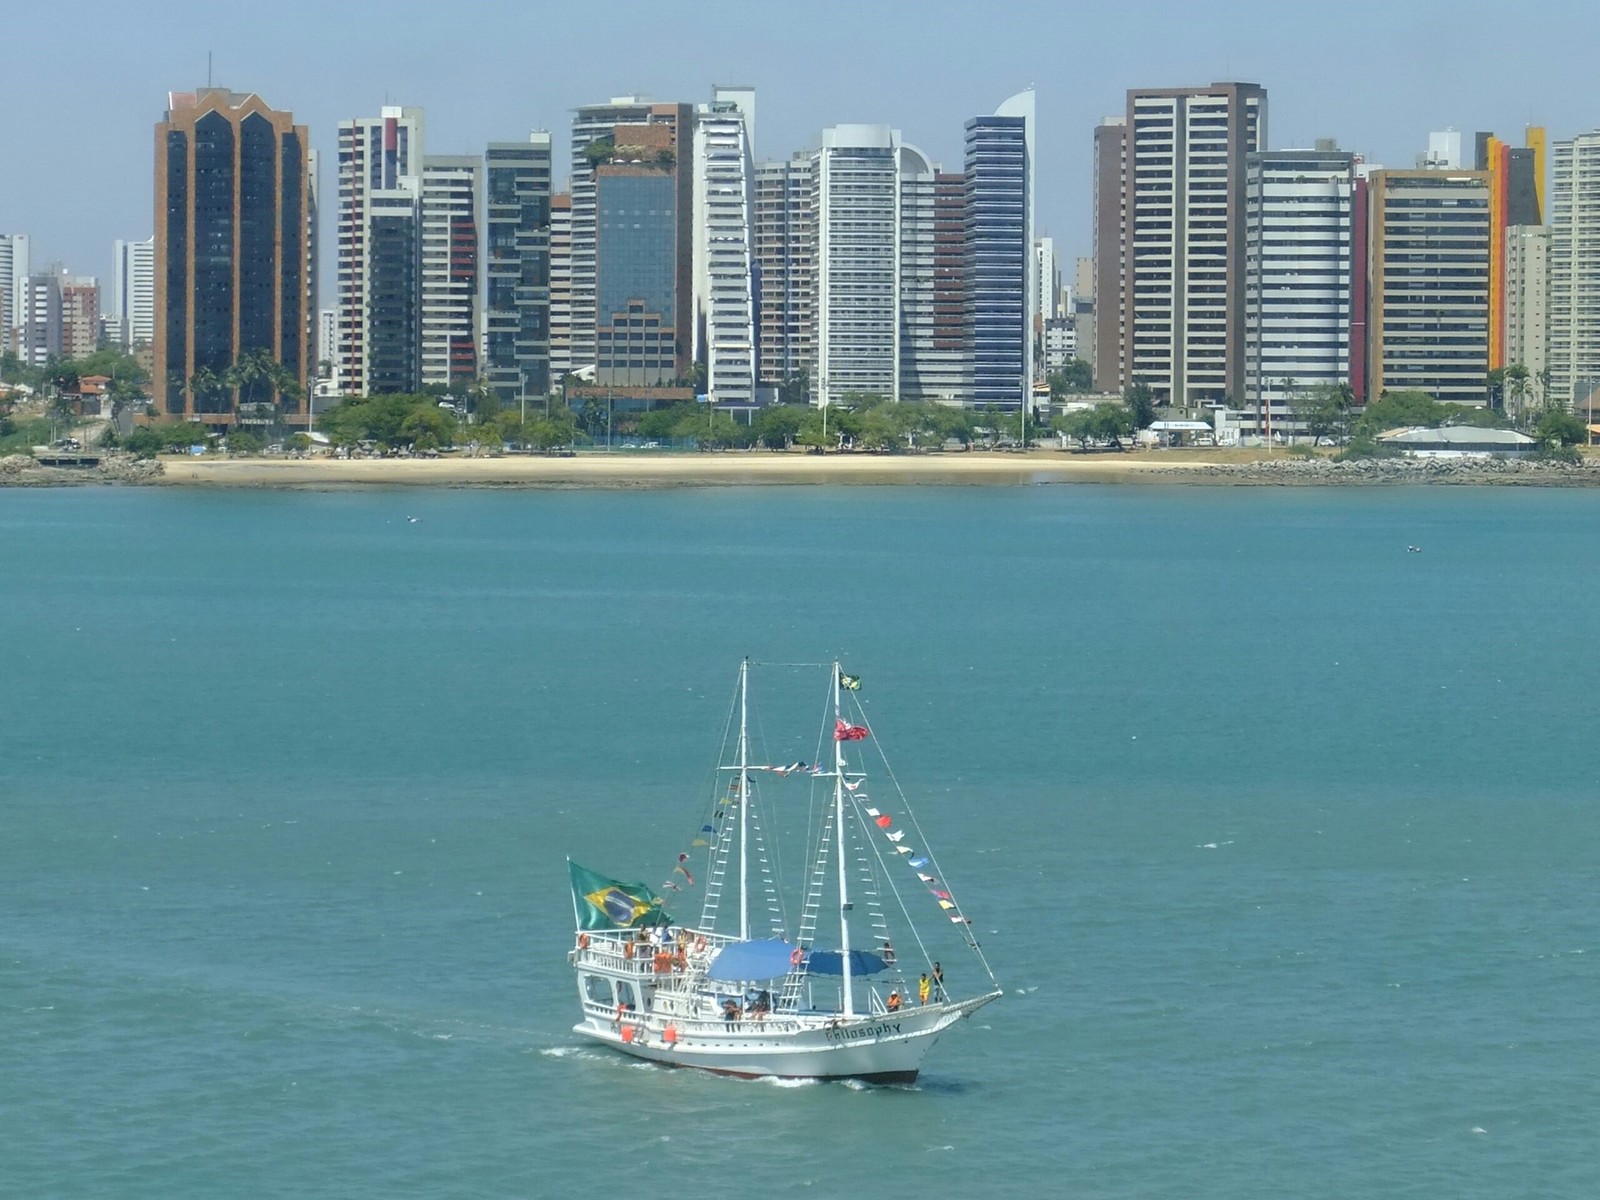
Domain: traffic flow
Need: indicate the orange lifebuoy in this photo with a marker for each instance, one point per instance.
(669, 1035)
(627, 1033)
(796, 956)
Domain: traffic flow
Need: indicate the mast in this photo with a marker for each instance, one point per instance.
(838, 833)
(744, 798)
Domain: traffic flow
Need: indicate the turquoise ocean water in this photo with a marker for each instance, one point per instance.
(1282, 840)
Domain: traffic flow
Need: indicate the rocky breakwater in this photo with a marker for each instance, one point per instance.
(23, 470)
(1326, 472)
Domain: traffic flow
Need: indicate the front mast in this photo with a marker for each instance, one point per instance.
(838, 831)
(744, 801)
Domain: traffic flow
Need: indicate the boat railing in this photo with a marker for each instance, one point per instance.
(655, 1025)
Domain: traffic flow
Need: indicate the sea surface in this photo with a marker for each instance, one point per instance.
(1282, 838)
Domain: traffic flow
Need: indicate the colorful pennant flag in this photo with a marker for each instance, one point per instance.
(884, 822)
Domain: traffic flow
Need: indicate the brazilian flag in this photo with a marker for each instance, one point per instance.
(606, 904)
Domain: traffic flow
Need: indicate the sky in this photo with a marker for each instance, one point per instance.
(85, 83)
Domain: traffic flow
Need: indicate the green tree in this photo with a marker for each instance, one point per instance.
(245, 441)
(1075, 378)
(796, 388)
(778, 425)
(1517, 384)
(1556, 427)
(1393, 410)
(1140, 401)
(1325, 410)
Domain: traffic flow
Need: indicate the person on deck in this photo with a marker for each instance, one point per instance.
(923, 987)
(938, 982)
(894, 1002)
(730, 1013)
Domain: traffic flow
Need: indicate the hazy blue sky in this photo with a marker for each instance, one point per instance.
(86, 82)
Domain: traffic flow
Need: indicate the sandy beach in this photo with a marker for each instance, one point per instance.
(634, 470)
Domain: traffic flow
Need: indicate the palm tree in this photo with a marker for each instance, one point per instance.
(1515, 378)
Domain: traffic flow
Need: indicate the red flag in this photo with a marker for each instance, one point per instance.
(885, 821)
(848, 733)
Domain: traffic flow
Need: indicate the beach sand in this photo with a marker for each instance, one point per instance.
(634, 470)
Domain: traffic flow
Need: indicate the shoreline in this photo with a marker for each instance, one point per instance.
(632, 470)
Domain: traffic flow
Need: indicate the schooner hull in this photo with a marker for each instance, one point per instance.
(890, 1050)
(887, 1048)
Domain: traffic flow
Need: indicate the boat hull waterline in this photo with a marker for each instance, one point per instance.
(883, 1048)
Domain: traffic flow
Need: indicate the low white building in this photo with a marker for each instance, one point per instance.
(1460, 441)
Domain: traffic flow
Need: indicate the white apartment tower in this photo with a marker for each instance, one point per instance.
(452, 195)
(560, 287)
(858, 263)
(1181, 317)
(379, 253)
(724, 196)
(1574, 345)
(1047, 279)
(14, 269)
(1299, 226)
(133, 295)
(785, 256)
(1527, 302)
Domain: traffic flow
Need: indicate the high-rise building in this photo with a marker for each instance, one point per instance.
(785, 268)
(644, 254)
(133, 291)
(1527, 277)
(14, 270)
(380, 253)
(39, 318)
(724, 274)
(1000, 258)
(232, 252)
(327, 343)
(1428, 284)
(857, 280)
(1107, 349)
(1513, 200)
(946, 368)
(1443, 152)
(517, 267)
(452, 190)
(560, 287)
(80, 316)
(1180, 319)
(1299, 274)
(918, 287)
(1081, 311)
(1047, 282)
(1574, 338)
(935, 355)
(593, 127)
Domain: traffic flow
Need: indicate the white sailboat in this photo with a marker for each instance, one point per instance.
(748, 992)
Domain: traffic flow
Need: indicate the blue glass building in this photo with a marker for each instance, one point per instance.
(999, 253)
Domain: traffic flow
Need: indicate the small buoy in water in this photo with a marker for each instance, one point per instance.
(1413, 549)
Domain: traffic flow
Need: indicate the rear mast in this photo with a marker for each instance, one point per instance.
(838, 833)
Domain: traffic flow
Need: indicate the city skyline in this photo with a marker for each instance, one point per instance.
(833, 70)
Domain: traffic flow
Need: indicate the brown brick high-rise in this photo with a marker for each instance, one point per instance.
(232, 263)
